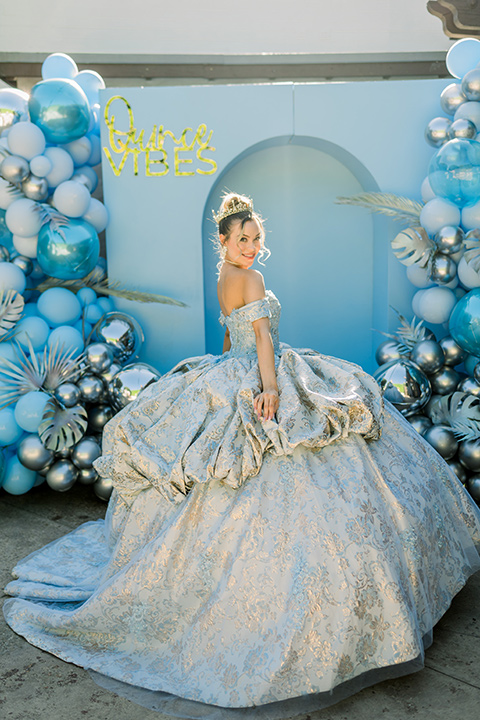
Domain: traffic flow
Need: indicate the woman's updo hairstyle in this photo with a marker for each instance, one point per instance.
(235, 207)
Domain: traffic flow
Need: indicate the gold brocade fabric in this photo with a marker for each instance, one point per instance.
(243, 563)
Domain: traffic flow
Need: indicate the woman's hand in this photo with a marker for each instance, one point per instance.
(266, 404)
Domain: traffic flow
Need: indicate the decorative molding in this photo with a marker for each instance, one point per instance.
(460, 18)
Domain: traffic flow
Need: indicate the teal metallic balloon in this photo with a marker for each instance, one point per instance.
(70, 252)
(60, 108)
(5, 234)
(454, 171)
(464, 322)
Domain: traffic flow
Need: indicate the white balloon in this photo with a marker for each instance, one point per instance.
(96, 153)
(415, 302)
(71, 198)
(40, 165)
(471, 216)
(452, 284)
(426, 191)
(97, 215)
(59, 65)
(26, 139)
(22, 218)
(62, 166)
(87, 176)
(6, 195)
(90, 82)
(469, 111)
(436, 304)
(437, 213)
(11, 277)
(418, 276)
(467, 276)
(80, 150)
(26, 245)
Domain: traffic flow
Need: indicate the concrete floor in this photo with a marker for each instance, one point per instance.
(35, 685)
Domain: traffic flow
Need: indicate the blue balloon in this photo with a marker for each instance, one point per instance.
(470, 362)
(68, 336)
(454, 171)
(35, 328)
(18, 479)
(463, 56)
(5, 234)
(10, 431)
(93, 313)
(2, 466)
(59, 306)
(29, 410)
(464, 323)
(70, 252)
(86, 296)
(60, 108)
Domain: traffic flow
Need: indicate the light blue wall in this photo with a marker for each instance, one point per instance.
(294, 148)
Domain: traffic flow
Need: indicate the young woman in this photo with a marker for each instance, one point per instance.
(274, 533)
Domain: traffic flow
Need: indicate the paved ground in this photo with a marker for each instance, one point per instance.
(35, 685)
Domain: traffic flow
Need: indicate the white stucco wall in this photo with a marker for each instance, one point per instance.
(160, 27)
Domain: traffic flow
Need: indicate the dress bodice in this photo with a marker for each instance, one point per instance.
(239, 323)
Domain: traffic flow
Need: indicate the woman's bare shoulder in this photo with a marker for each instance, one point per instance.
(254, 286)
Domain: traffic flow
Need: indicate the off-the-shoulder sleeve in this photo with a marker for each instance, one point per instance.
(221, 318)
(256, 310)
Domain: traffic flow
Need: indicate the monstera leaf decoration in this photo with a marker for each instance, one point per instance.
(62, 427)
(413, 246)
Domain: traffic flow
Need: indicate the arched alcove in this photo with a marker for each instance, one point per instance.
(326, 266)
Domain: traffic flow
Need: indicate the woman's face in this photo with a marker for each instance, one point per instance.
(243, 244)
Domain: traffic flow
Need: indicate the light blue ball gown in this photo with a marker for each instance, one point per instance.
(282, 564)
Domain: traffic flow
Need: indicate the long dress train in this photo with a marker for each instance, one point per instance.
(243, 563)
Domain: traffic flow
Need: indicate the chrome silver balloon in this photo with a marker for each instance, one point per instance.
(91, 388)
(449, 239)
(85, 452)
(68, 394)
(98, 357)
(441, 437)
(87, 476)
(103, 488)
(444, 381)
(121, 333)
(387, 351)
(476, 372)
(62, 475)
(404, 385)
(462, 129)
(4, 254)
(469, 454)
(471, 85)
(442, 268)
(64, 452)
(24, 263)
(35, 188)
(98, 416)
(421, 423)
(128, 382)
(428, 355)
(452, 352)
(473, 487)
(14, 169)
(436, 132)
(451, 98)
(458, 469)
(108, 374)
(430, 408)
(33, 454)
(469, 385)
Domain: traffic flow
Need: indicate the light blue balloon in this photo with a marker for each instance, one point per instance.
(464, 323)
(96, 153)
(463, 56)
(69, 252)
(10, 431)
(6, 237)
(454, 171)
(106, 304)
(59, 306)
(2, 466)
(29, 410)
(470, 362)
(59, 65)
(86, 328)
(68, 336)
(18, 479)
(90, 173)
(35, 328)
(86, 296)
(7, 350)
(60, 108)
(93, 313)
(30, 310)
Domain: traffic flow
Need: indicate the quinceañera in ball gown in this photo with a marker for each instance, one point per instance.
(276, 530)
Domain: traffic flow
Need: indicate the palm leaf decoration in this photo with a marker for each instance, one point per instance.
(62, 427)
(461, 412)
(408, 333)
(28, 373)
(107, 287)
(413, 246)
(49, 214)
(472, 252)
(11, 309)
(395, 206)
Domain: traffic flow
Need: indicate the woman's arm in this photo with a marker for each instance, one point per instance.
(226, 341)
(267, 402)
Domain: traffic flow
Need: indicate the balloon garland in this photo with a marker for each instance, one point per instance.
(67, 358)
